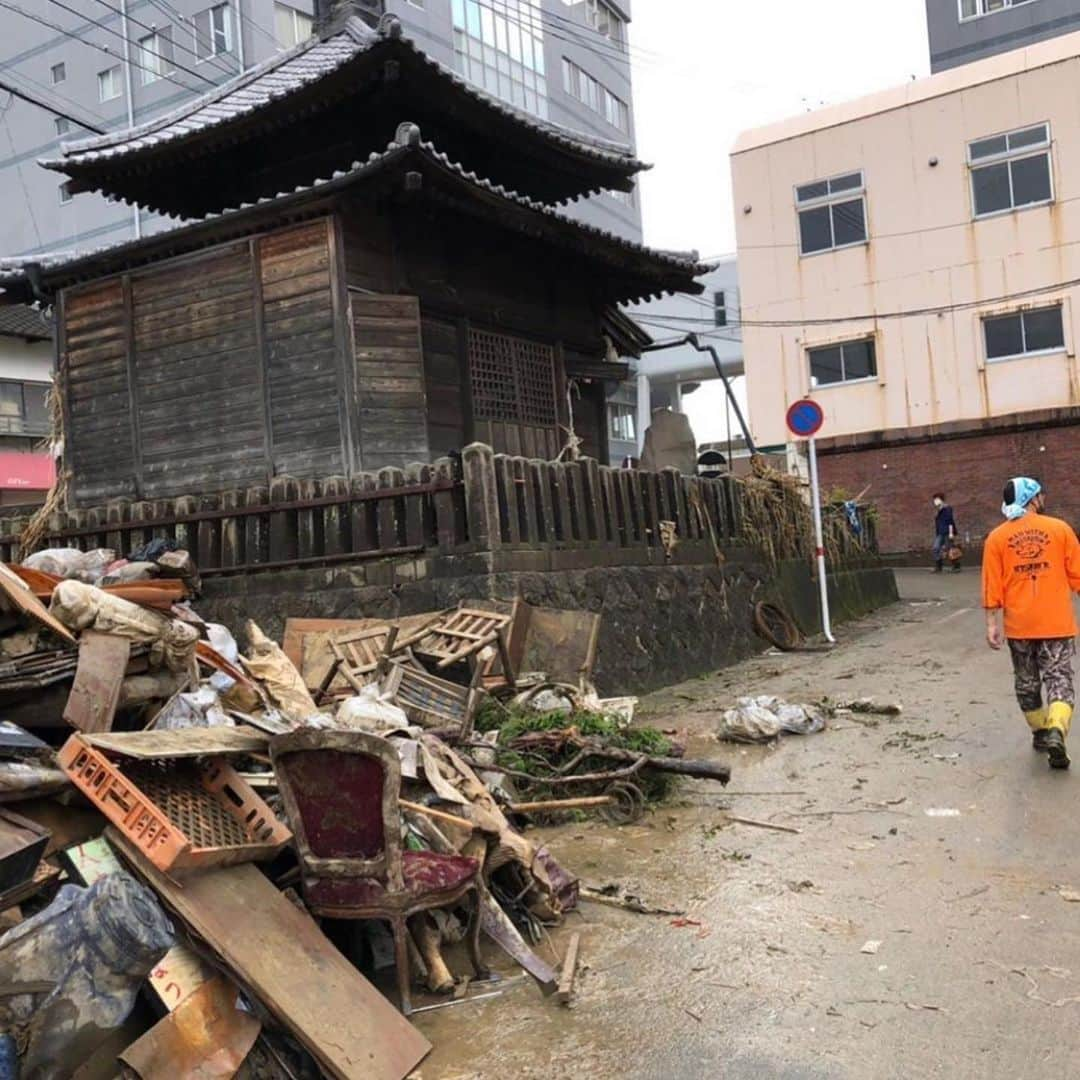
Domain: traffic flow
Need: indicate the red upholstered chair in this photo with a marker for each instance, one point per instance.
(340, 790)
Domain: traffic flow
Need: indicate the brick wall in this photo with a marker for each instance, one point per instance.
(970, 470)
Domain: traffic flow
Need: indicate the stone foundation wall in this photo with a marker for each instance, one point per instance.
(661, 624)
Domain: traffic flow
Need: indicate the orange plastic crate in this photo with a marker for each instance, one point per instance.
(181, 814)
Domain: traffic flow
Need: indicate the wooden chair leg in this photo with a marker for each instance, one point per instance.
(474, 938)
(401, 961)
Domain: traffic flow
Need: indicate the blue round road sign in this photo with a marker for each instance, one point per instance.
(805, 418)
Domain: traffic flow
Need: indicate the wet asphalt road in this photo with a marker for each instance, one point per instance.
(882, 941)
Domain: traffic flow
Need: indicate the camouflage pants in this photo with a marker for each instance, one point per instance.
(1043, 663)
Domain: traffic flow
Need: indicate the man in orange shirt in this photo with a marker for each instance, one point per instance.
(1031, 568)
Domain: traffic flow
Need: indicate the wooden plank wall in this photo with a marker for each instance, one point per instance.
(447, 391)
(197, 380)
(98, 439)
(390, 388)
(302, 361)
(208, 371)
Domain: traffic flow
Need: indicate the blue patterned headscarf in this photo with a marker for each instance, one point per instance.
(1025, 489)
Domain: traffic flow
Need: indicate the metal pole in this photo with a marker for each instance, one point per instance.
(819, 538)
(239, 27)
(125, 30)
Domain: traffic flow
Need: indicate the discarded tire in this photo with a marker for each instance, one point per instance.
(628, 806)
(776, 626)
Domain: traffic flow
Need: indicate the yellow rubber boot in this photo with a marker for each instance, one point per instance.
(1059, 716)
(1036, 718)
(1058, 719)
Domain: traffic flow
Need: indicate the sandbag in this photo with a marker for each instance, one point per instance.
(71, 564)
(276, 671)
(82, 607)
(370, 711)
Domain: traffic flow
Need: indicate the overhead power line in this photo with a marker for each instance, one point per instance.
(25, 96)
(154, 30)
(911, 313)
(89, 44)
(118, 34)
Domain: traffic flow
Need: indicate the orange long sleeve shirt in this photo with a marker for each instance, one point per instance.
(1031, 568)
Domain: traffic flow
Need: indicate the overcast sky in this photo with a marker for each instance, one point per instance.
(704, 70)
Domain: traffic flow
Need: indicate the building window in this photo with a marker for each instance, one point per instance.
(601, 18)
(291, 26)
(621, 423)
(579, 84)
(213, 32)
(850, 361)
(11, 400)
(62, 125)
(155, 56)
(1024, 333)
(501, 49)
(59, 73)
(974, 9)
(1010, 171)
(832, 213)
(513, 379)
(719, 307)
(65, 192)
(110, 85)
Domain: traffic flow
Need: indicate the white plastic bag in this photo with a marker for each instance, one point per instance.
(71, 564)
(370, 711)
(765, 717)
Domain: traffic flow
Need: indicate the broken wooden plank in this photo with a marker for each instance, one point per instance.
(95, 693)
(206, 1037)
(183, 743)
(23, 601)
(569, 970)
(763, 824)
(280, 955)
(22, 846)
(497, 925)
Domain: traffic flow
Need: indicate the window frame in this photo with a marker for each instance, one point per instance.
(863, 380)
(63, 130)
(595, 96)
(61, 67)
(228, 30)
(294, 13)
(1008, 157)
(65, 194)
(1009, 5)
(116, 75)
(620, 410)
(830, 199)
(720, 310)
(155, 64)
(1022, 314)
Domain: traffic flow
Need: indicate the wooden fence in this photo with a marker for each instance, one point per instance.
(526, 514)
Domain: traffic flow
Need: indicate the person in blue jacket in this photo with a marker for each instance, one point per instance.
(944, 532)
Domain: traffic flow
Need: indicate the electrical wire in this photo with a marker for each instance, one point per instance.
(134, 44)
(89, 44)
(180, 19)
(42, 103)
(911, 313)
(18, 168)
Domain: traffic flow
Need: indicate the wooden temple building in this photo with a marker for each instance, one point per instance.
(369, 268)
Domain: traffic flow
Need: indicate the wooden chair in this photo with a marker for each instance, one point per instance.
(430, 701)
(359, 656)
(459, 635)
(340, 790)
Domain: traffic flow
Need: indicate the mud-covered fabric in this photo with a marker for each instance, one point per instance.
(1043, 665)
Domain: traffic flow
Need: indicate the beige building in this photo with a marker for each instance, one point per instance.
(912, 261)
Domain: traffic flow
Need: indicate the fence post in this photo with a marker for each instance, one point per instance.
(481, 497)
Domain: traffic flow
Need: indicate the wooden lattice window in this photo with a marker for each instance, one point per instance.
(513, 380)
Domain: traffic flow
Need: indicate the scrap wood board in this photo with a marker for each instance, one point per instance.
(23, 600)
(182, 743)
(180, 972)
(95, 693)
(307, 641)
(279, 953)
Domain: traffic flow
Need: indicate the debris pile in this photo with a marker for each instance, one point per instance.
(210, 857)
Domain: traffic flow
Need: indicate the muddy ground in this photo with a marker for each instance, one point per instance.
(976, 968)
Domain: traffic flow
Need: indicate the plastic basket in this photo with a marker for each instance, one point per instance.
(181, 814)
